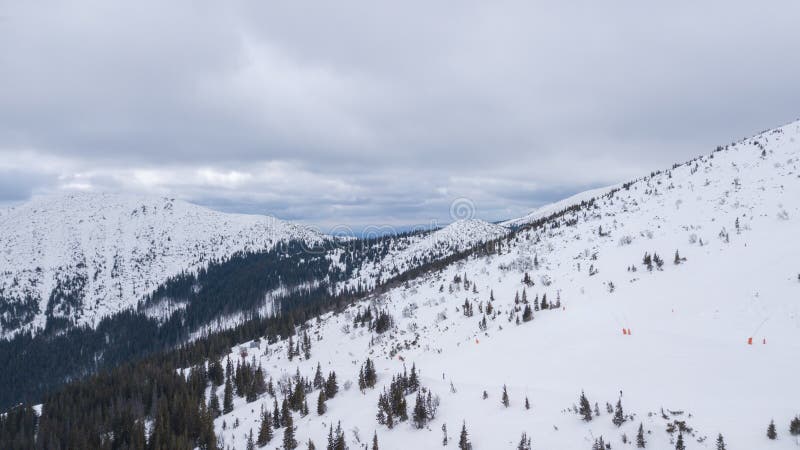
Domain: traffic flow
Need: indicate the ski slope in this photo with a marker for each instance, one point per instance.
(734, 218)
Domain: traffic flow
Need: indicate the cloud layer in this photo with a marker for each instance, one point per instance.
(357, 112)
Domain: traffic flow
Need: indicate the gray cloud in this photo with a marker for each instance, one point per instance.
(359, 112)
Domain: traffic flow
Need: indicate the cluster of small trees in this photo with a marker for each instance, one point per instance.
(367, 376)
(376, 320)
(392, 405)
(302, 347)
(794, 428)
(649, 260)
(294, 400)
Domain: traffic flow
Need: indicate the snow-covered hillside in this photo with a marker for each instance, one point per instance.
(690, 262)
(410, 252)
(552, 208)
(84, 256)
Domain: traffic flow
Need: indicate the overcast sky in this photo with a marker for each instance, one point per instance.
(365, 112)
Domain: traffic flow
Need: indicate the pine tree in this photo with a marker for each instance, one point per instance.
(619, 417)
(375, 441)
(585, 409)
(289, 441)
(413, 379)
(321, 407)
(504, 398)
(319, 380)
(524, 442)
(444, 435)
(310, 445)
(527, 314)
(640, 442)
(599, 444)
(250, 444)
(794, 426)
(420, 415)
(265, 431)
(720, 442)
(276, 415)
(339, 442)
(771, 432)
(527, 403)
(679, 444)
(463, 440)
(213, 403)
(331, 386)
(227, 399)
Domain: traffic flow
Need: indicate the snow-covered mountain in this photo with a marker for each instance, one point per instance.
(677, 295)
(84, 256)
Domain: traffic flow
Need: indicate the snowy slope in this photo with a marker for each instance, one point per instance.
(104, 252)
(552, 208)
(733, 217)
(410, 252)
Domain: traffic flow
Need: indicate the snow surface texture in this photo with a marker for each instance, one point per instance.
(111, 250)
(690, 322)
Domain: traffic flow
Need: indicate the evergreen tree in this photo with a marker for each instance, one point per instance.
(420, 413)
(339, 441)
(444, 435)
(720, 442)
(463, 440)
(286, 412)
(619, 417)
(330, 438)
(599, 444)
(794, 426)
(527, 403)
(375, 441)
(527, 314)
(289, 441)
(213, 403)
(310, 445)
(679, 444)
(319, 380)
(265, 430)
(331, 386)
(640, 442)
(276, 415)
(585, 409)
(524, 442)
(227, 399)
(504, 398)
(771, 432)
(413, 379)
(259, 384)
(250, 444)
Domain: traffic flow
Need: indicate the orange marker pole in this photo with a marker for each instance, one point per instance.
(749, 341)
